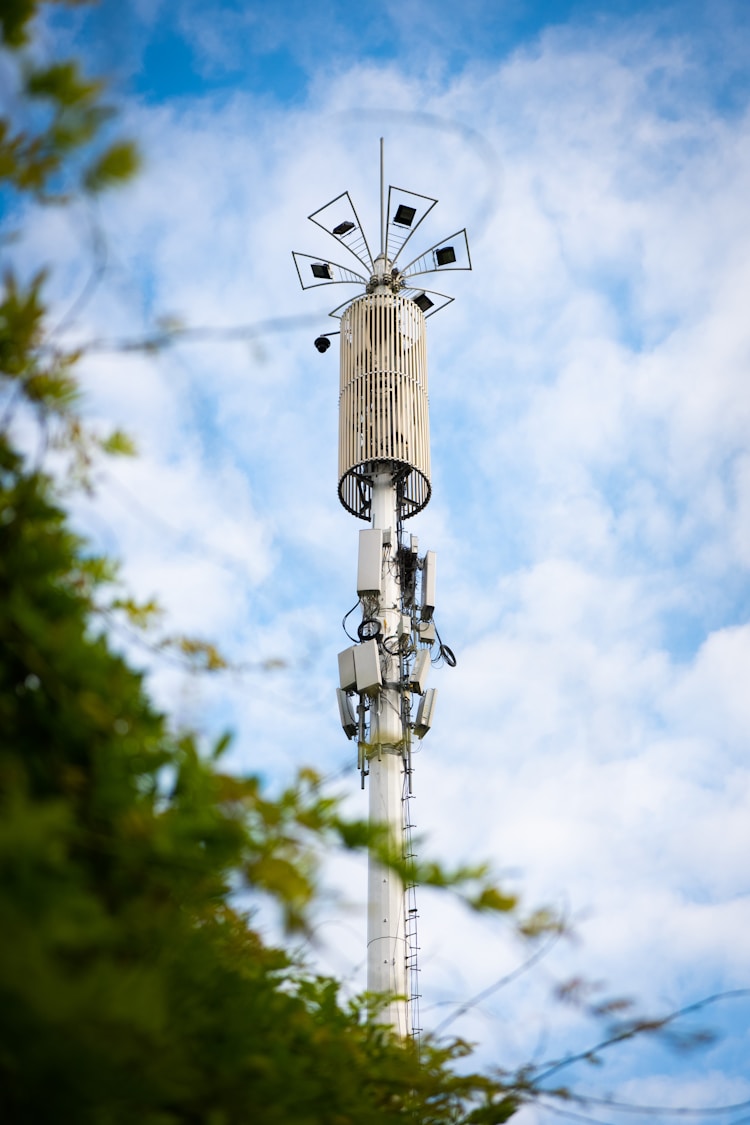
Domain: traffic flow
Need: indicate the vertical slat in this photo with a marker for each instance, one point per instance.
(383, 401)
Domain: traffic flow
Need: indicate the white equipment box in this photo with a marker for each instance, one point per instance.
(367, 667)
(370, 562)
(347, 674)
(421, 668)
(428, 585)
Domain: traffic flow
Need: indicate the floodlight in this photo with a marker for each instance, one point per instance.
(322, 270)
(343, 228)
(404, 215)
(423, 302)
(445, 256)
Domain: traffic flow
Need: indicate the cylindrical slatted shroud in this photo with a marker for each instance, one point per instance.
(383, 405)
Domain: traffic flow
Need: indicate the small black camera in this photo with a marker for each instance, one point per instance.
(322, 343)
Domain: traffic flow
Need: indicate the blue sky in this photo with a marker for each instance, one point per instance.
(167, 51)
(591, 472)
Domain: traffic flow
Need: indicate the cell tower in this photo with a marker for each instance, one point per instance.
(384, 479)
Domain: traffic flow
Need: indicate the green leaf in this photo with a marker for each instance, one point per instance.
(62, 82)
(221, 745)
(115, 166)
(120, 444)
(492, 899)
(14, 17)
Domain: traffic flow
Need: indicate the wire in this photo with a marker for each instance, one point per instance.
(369, 629)
(671, 1111)
(100, 255)
(162, 336)
(444, 652)
(524, 967)
(388, 644)
(344, 620)
(630, 1033)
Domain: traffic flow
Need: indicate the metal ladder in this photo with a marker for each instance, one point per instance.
(411, 932)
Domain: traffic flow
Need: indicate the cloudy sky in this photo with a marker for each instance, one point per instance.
(591, 469)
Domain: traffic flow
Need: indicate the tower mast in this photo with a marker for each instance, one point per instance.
(384, 479)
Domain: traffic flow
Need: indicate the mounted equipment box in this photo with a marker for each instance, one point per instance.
(370, 562)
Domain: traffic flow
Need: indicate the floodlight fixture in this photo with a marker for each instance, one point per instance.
(402, 212)
(324, 272)
(404, 216)
(451, 253)
(445, 256)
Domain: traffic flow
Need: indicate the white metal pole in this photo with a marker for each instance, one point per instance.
(386, 912)
(382, 200)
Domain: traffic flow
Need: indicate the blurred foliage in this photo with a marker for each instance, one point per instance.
(55, 142)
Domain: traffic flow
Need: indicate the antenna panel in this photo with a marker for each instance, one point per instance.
(346, 715)
(420, 670)
(429, 567)
(347, 674)
(370, 562)
(425, 713)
